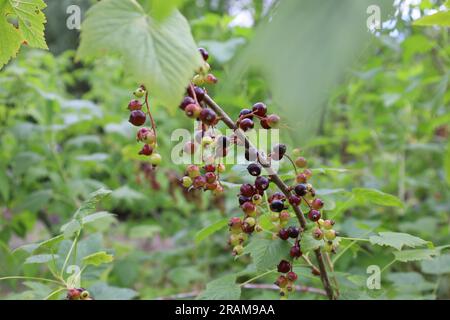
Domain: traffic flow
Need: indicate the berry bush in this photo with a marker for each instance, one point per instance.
(348, 199)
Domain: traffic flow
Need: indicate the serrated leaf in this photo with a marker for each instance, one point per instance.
(397, 240)
(161, 55)
(29, 28)
(98, 258)
(224, 288)
(308, 243)
(41, 258)
(267, 253)
(415, 255)
(211, 229)
(441, 18)
(89, 206)
(374, 196)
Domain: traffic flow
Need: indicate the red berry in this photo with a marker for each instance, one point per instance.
(283, 234)
(208, 117)
(134, 105)
(295, 252)
(211, 185)
(300, 162)
(193, 111)
(301, 178)
(146, 150)
(260, 109)
(211, 79)
(262, 183)
(292, 276)
(294, 200)
(264, 124)
(204, 53)
(284, 266)
(273, 120)
(210, 177)
(300, 190)
(314, 215)
(247, 190)
(137, 118)
(210, 167)
(248, 207)
(186, 101)
(199, 182)
(317, 204)
(246, 124)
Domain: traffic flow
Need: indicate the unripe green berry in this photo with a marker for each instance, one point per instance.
(186, 181)
(237, 250)
(139, 92)
(250, 221)
(330, 234)
(155, 159)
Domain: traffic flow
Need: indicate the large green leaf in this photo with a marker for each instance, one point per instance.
(98, 258)
(374, 196)
(267, 253)
(41, 258)
(441, 18)
(415, 255)
(209, 230)
(29, 29)
(397, 240)
(439, 265)
(224, 288)
(161, 55)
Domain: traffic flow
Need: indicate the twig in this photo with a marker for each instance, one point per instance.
(278, 182)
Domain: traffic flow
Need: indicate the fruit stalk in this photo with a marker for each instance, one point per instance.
(278, 182)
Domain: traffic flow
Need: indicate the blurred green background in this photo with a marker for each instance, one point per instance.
(375, 105)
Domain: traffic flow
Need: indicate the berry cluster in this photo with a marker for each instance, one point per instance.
(259, 111)
(78, 294)
(144, 134)
(286, 280)
(205, 178)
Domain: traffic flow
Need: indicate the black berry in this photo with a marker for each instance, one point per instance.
(260, 109)
(137, 118)
(207, 116)
(284, 266)
(262, 183)
(277, 206)
(300, 190)
(254, 169)
(204, 53)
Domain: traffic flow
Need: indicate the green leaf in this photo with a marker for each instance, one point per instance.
(267, 253)
(98, 258)
(376, 197)
(161, 9)
(415, 255)
(30, 27)
(96, 216)
(211, 229)
(308, 243)
(4, 184)
(70, 228)
(224, 288)
(160, 55)
(90, 204)
(439, 265)
(41, 258)
(397, 240)
(102, 291)
(441, 18)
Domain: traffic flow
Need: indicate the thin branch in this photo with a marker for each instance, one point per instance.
(278, 182)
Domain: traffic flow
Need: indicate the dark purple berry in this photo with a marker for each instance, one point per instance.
(246, 124)
(137, 118)
(278, 152)
(293, 232)
(264, 124)
(260, 109)
(244, 199)
(283, 234)
(284, 266)
(295, 252)
(277, 196)
(134, 105)
(208, 117)
(245, 113)
(300, 190)
(204, 53)
(254, 169)
(262, 183)
(186, 101)
(314, 215)
(277, 206)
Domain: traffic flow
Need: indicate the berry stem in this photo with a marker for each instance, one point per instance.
(149, 113)
(293, 164)
(278, 182)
